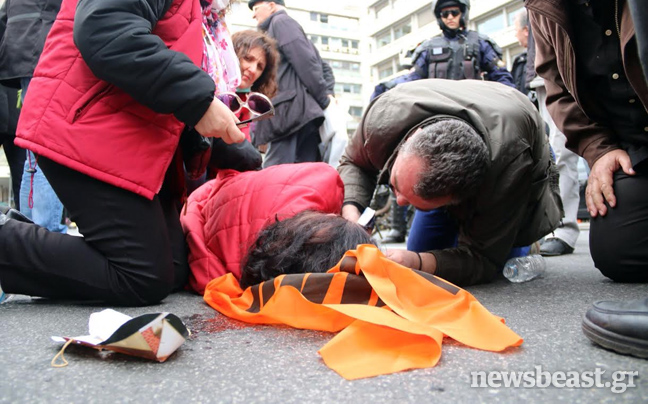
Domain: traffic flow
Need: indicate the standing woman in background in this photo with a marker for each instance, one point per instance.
(258, 57)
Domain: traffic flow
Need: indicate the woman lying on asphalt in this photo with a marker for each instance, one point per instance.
(261, 224)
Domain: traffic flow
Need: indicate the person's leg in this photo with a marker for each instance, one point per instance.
(308, 141)
(398, 222)
(433, 230)
(281, 151)
(16, 159)
(179, 248)
(567, 164)
(26, 184)
(44, 206)
(124, 257)
(619, 240)
(436, 230)
(15, 155)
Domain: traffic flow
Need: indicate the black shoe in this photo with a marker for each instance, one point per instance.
(394, 236)
(619, 326)
(554, 246)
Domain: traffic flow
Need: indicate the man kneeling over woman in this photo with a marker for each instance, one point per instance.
(261, 224)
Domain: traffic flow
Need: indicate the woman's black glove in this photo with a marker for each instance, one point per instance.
(237, 156)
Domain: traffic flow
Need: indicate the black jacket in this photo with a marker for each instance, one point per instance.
(24, 25)
(519, 73)
(304, 81)
(8, 112)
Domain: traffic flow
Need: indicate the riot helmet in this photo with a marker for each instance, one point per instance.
(464, 6)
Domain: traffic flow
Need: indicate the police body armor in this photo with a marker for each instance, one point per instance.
(454, 60)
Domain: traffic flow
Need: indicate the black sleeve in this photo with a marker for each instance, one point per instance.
(115, 40)
(297, 50)
(329, 78)
(531, 51)
(237, 156)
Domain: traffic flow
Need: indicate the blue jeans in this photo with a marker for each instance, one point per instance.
(436, 230)
(46, 209)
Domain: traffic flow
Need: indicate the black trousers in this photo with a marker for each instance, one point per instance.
(300, 147)
(16, 159)
(133, 251)
(619, 240)
(15, 155)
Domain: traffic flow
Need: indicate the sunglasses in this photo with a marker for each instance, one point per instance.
(447, 13)
(257, 103)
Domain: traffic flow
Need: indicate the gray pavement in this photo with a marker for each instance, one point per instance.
(228, 361)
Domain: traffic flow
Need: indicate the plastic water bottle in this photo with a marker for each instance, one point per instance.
(523, 269)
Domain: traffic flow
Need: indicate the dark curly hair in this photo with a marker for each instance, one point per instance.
(308, 242)
(456, 159)
(244, 41)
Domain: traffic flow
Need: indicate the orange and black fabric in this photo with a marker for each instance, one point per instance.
(391, 318)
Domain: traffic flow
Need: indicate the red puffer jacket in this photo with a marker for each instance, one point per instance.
(115, 85)
(224, 216)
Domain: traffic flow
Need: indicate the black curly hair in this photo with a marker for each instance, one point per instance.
(308, 242)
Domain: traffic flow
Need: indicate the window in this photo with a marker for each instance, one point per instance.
(385, 69)
(425, 16)
(348, 88)
(354, 44)
(325, 40)
(511, 16)
(492, 24)
(345, 43)
(402, 30)
(383, 39)
(314, 39)
(381, 9)
(313, 16)
(355, 112)
(323, 18)
(344, 65)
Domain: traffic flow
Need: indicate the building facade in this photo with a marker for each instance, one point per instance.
(392, 27)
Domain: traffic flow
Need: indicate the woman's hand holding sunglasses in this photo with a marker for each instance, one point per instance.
(259, 105)
(220, 121)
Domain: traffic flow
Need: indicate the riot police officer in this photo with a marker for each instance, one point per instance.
(456, 54)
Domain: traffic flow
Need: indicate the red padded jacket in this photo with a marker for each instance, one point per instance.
(114, 87)
(224, 216)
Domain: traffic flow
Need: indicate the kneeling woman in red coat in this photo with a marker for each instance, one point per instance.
(261, 224)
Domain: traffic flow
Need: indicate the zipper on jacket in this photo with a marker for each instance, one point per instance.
(90, 102)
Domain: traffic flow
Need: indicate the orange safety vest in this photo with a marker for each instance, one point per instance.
(392, 318)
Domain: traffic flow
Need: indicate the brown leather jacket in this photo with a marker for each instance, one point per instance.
(519, 201)
(556, 63)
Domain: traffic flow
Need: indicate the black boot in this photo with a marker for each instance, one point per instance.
(398, 223)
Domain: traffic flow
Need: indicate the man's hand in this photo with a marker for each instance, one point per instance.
(220, 122)
(411, 260)
(599, 184)
(351, 213)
